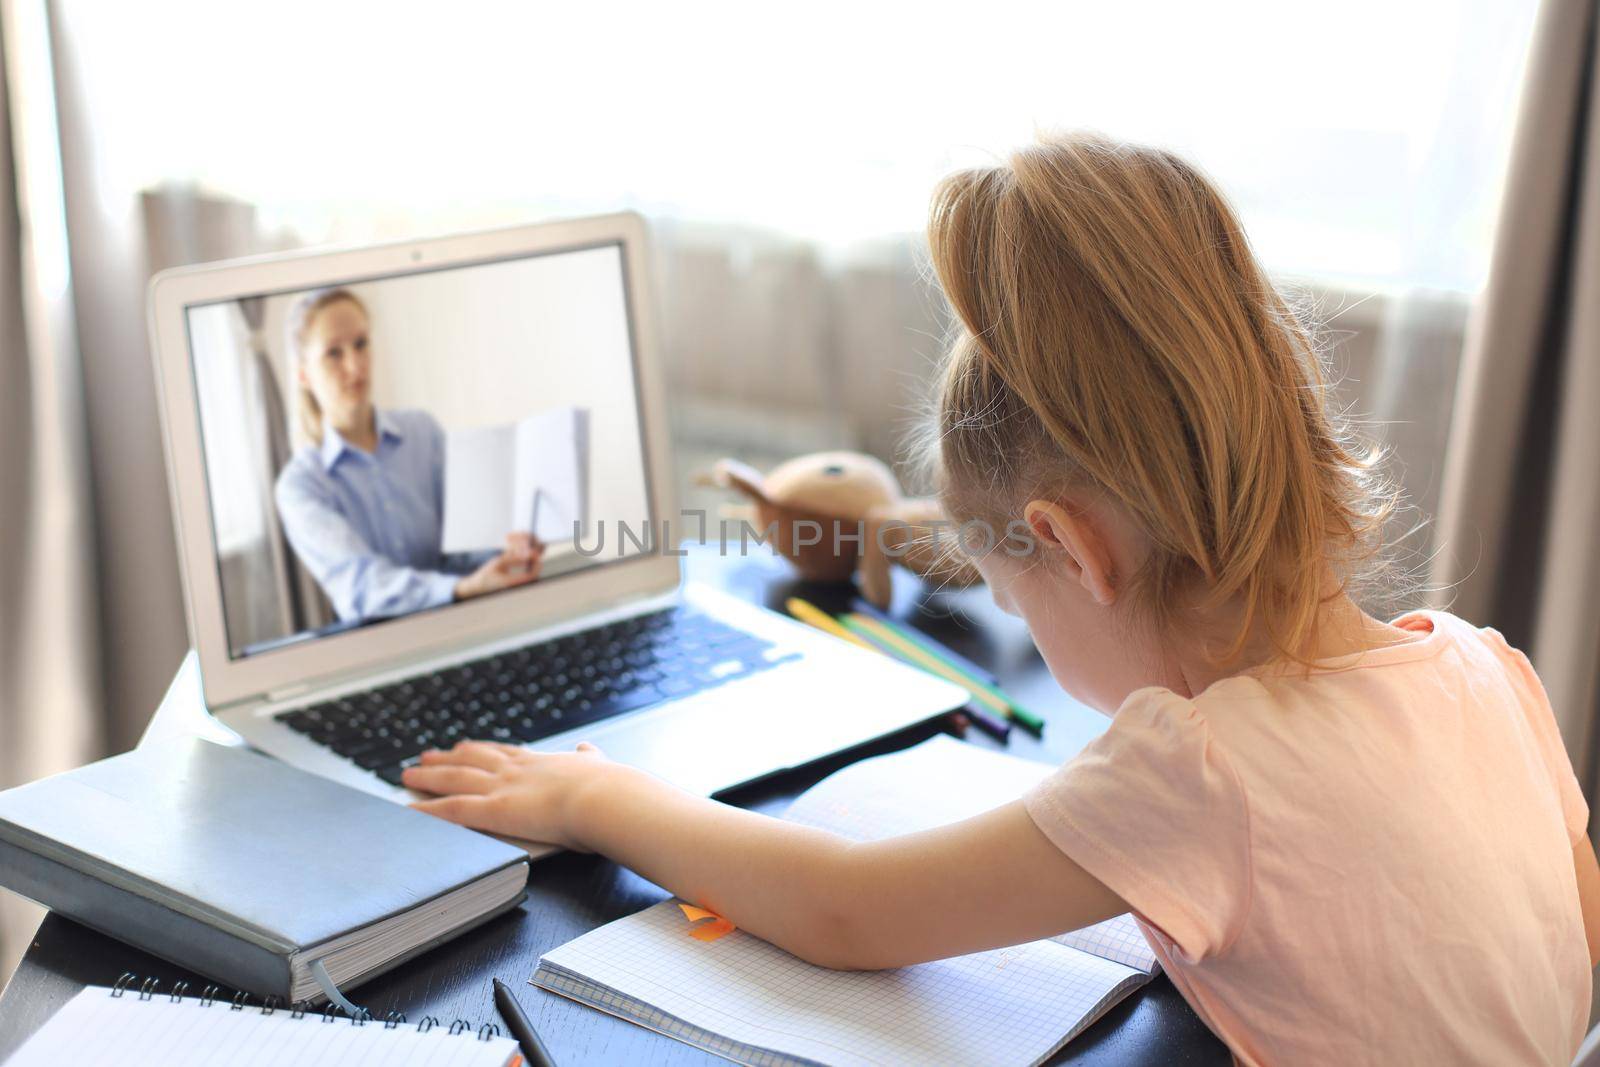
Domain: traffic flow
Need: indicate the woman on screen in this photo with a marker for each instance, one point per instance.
(363, 505)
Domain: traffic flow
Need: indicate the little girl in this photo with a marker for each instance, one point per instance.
(1349, 841)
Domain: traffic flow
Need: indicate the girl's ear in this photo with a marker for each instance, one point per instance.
(1081, 543)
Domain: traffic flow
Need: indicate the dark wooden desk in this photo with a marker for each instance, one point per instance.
(570, 894)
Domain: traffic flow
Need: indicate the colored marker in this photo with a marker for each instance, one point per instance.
(983, 692)
(814, 616)
(917, 637)
(996, 727)
(911, 654)
(992, 725)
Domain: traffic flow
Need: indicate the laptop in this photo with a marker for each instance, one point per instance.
(424, 492)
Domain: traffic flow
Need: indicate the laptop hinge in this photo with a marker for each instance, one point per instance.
(274, 696)
(299, 689)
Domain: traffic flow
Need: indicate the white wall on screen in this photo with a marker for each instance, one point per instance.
(484, 345)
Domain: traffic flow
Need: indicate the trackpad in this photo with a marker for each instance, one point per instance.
(708, 743)
(776, 720)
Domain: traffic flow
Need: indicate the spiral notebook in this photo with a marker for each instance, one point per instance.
(136, 1025)
(735, 995)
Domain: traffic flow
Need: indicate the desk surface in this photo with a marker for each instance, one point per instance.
(570, 894)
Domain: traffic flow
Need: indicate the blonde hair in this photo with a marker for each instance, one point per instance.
(1116, 332)
(298, 326)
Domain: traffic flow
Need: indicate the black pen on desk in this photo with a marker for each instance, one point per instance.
(521, 1029)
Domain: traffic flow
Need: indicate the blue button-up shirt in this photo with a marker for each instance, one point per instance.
(368, 526)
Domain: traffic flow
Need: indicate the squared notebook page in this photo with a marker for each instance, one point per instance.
(936, 783)
(95, 1028)
(749, 1001)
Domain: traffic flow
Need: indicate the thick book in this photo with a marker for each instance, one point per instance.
(680, 971)
(248, 871)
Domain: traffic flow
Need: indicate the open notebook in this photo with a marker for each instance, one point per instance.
(132, 1029)
(749, 1001)
(530, 475)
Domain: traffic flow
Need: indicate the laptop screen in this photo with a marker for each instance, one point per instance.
(405, 443)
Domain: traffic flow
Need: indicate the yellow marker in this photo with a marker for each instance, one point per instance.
(814, 616)
(907, 651)
(985, 693)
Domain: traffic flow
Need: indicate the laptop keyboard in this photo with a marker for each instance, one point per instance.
(533, 692)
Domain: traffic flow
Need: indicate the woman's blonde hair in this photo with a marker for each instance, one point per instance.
(1116, 332)
(297, 328)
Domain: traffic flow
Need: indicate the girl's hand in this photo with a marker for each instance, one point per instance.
(506, 789)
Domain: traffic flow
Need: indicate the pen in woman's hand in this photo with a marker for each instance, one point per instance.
(524, 551)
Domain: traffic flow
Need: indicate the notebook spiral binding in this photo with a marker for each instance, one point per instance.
(150, 988)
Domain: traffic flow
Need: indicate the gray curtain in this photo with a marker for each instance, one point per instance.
(50, 708)
(1520, 509)
(139, 602)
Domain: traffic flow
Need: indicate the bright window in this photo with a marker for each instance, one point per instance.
(1363, 139)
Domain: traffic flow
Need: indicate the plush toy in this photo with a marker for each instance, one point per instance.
(838, 512)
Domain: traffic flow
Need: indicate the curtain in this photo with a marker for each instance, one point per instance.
(1521, 500)
(138, 601)
(50, 707)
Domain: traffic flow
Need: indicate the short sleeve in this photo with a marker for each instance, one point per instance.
(1541, 720)
(1153, 810)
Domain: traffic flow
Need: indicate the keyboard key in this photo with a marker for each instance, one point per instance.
(390, 774)
(633, 699)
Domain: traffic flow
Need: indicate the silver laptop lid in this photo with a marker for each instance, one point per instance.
(354, 438)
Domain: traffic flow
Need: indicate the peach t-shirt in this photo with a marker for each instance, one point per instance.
(1369, 863)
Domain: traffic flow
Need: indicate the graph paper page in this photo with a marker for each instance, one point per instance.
(1008, 1006)
(936, 783)
(95, 1027)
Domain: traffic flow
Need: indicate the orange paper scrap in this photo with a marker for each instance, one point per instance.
(712, 930)
(706, 931)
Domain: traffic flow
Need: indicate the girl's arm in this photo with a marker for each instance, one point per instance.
(989, 881)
